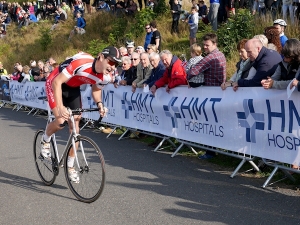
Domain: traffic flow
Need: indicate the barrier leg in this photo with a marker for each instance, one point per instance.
(160, 144)
(16, 106)
(238, 168)
(270, 177)
(177, 150)
(36, 112)
(112, 131)
(288, 175)
(31, 111)
(125, 132)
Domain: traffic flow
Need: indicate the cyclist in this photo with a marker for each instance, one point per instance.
(63, 90)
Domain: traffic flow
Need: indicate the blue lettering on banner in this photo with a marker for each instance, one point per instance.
(139, 102)
(204, 128)
(283, 142)
(108, 98)
(192, 108)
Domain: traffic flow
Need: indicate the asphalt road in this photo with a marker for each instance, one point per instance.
(142, 187)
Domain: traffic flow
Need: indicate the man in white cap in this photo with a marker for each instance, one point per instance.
(280, 24)
(130, 47)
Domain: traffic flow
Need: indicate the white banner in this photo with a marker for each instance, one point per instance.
(253, 121)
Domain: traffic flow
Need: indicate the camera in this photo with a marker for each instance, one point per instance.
(1, 70)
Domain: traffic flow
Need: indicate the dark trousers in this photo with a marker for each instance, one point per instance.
(175, 26)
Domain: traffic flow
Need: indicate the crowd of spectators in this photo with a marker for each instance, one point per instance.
(31, 72)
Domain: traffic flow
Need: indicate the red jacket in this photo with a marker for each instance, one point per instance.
(174, 76)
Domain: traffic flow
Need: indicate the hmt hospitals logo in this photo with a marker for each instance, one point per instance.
(176, 115)
(126, 105)
(246, 118)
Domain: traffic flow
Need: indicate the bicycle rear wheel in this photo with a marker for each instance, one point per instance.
(47, 169)
(91, 171)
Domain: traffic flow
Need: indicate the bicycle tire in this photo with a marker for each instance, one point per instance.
(91, 176)
(47, 169)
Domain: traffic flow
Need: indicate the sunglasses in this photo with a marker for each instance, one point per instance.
(111, 62)
(147, 28)
(134, 59)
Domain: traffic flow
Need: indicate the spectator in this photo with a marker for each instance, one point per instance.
(24, 20)
(119, 7)
(281, 25)
(213, 66)
(195, 81)
(49, 11)
(265, 61)
(202, 12)
(273, 37)
(193, 21)
(32, 19)
(148, 36)
(176, 10)
(25, 76)
(3, 73)
(123, 51)
(139, 49)
(66, 7)
(243, 66)
(130, 47)
(213, 13)
(131, 9)
(156, 38)
(287, 68)
(78, 6)
(61, 17)
(287, 5)
(230, 8)
(144, 70)
(46, 72)
(103, 6)
(174, 75)
(79, 28)
(50, 63)
(263, 39)
(158, 69)
(34, 70)
(151, 48)
(126, 72)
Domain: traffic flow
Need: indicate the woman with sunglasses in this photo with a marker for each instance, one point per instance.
(63, 90)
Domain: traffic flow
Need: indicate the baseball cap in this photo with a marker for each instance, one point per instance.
(112, 52)
(130, 44)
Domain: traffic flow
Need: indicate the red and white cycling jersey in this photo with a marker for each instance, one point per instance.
(79, 70)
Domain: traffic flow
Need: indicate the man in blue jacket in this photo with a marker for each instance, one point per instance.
(157, 71)
(264, 61)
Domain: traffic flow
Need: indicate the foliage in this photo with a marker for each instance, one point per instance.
(96, 46)
(4, 49)
(161, 8)
(45, 38)
(238, 27)
(118, 30)
(141, 19)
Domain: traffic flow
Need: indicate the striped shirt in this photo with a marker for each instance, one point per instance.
(213, 66)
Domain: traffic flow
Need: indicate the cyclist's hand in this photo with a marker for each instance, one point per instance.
(63, 112)
(101, 110)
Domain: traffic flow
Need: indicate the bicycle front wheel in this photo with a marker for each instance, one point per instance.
(91, 170)
(46, 168)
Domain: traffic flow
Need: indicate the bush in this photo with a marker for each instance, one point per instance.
(45, 38)
(96, 46)
(238, 27)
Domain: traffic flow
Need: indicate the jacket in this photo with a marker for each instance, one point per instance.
(265, 65)
(174, 76)
(156, 74)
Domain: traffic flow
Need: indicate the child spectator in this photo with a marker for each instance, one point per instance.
(25, 76)
(79, 28)
(193, 20)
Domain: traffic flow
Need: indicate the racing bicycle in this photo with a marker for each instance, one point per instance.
(89, 161)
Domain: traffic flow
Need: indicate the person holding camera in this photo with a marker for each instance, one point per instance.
(3, 73)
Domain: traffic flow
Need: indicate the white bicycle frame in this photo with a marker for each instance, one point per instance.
(72, 138)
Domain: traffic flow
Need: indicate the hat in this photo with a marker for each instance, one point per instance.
(33, 64)
(112, 52)
(140, 48)
(129, 44)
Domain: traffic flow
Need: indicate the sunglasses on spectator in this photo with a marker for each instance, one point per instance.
(147, 28)
(134, 59)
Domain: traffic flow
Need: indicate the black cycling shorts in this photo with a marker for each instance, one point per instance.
(71, 97)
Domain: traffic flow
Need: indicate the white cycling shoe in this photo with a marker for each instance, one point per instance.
(73, 175)
(45, 149)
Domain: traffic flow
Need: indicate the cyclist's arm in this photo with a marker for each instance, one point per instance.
(56, 86)
(97, 96)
